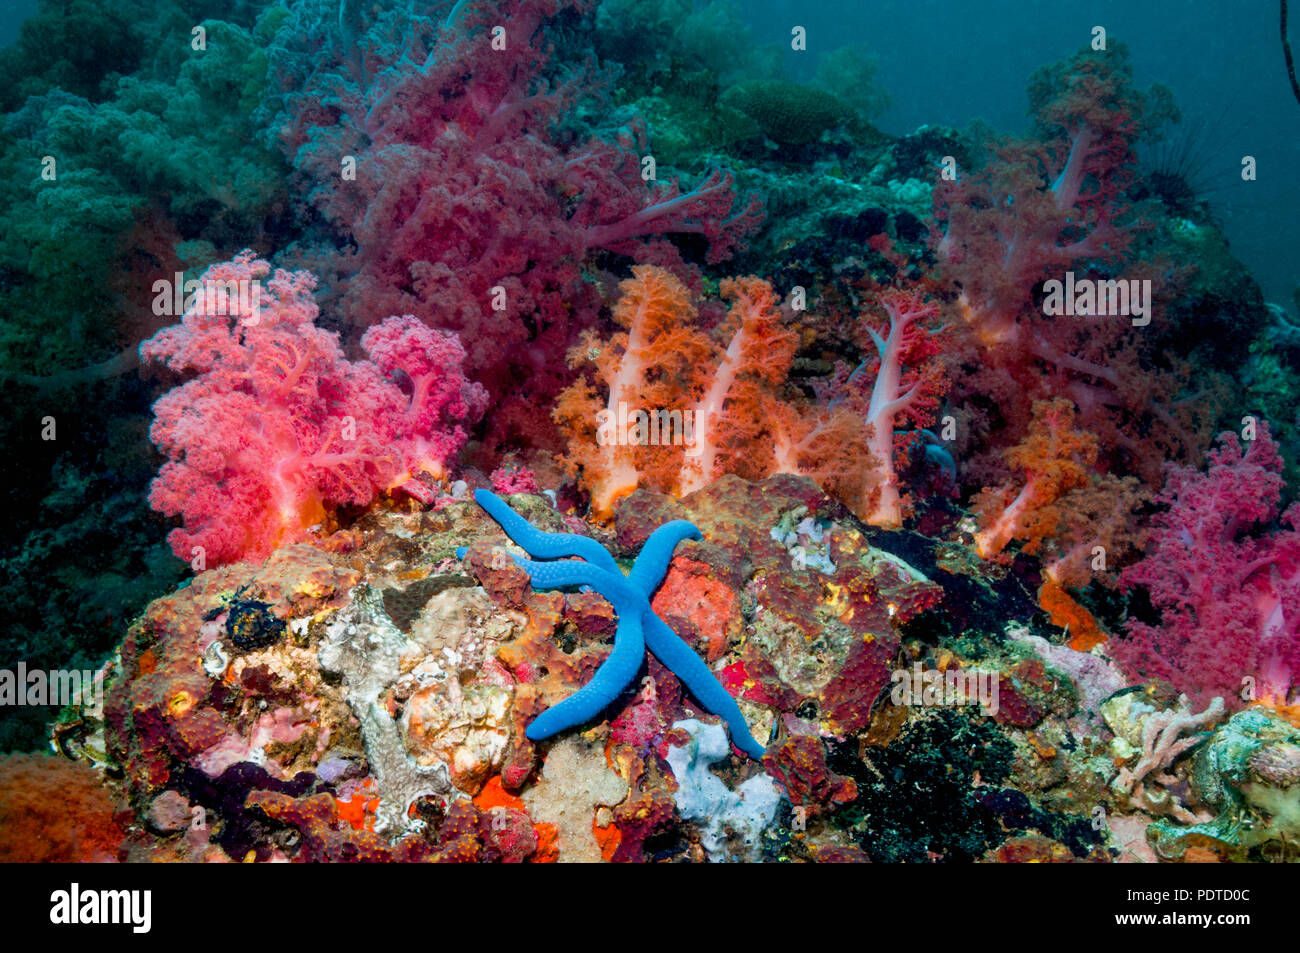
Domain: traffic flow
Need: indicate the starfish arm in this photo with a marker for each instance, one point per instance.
(638, 626)
(541, 544)
(619, 667)
(615, 674)
(574, 572)
(669, 649)
(652, 563)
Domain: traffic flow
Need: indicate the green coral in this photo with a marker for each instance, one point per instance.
(1270, 392)
(788, 113)
(74, 46)
(180, 158)
(684, 132)
(83, 46)
(658, 40)
(147, 173)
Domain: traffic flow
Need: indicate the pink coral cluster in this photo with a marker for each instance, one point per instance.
(276, 424)
(510, 480)
(1227, 587)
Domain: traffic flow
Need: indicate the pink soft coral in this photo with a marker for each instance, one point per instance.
(277, 424)
(512, 479)
(1228, 594)
(440, 399)
(908, 382)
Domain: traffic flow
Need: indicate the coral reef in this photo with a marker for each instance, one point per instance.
(578, 434)
(1249, 770)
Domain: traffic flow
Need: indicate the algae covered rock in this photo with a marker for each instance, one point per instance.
(1249, 771)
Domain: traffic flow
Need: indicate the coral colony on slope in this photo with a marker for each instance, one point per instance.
(559, 430)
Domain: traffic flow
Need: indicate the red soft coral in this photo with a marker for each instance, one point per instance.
(473, 205)
(510, 480)
(1041, 209)
(277, 424)
(1228, 594)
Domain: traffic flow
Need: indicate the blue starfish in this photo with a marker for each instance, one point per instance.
(638, 626)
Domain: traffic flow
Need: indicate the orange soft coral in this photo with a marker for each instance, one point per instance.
(729, 412)
(1079, 522)
(1055, 458)
(1098, 529)
(1065, 612)
(670, 406)
(658, 319)
(829, 445)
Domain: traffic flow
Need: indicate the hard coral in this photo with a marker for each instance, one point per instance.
(1160, 747)
(788, 113)
(1247, 770)
(167, 710)
(324, 835)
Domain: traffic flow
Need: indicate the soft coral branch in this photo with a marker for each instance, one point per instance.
(908, 384)
(1054, 459)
